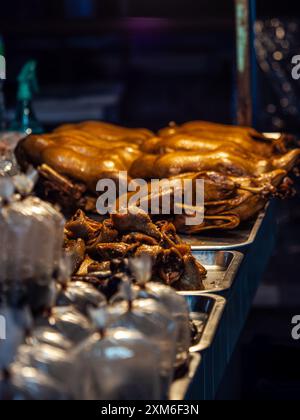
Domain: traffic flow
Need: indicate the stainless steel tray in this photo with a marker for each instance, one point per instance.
(180, 387)
(239, 238)
(206, 312)
(222, 268)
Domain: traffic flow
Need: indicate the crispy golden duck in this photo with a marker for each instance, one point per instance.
(226, 160)
(241, 167)
(209, 142)
(109, 132)
(228, 200)
(80, 155)
(98, 247)
(243, 136)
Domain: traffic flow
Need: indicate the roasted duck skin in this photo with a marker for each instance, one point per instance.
(192, 269)
(240, 167)
(88, 170)
(136, 221)
(248, 201)
(113, 251)
(205, 142)
(172, 164)
(218, 222)
(210, 126)
(140, 238)
(243, 136)
(216, 187)
(108, 132)
(82, 227)
(224, 161)
(79, 155)
(266, 184)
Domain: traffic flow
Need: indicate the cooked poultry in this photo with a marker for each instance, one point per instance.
(210, 126)
(219, 222)
(136, 222)
(137, 236)
(109, 132)
(222, 161)
(241, 169)
(243, 136)
(80, 155)
(206, 142)
(227, 200)
(249, 200)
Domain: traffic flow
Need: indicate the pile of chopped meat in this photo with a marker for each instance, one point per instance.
(102, 250)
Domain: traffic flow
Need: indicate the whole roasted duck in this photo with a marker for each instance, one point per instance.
(228, 200)
(241, 167)
(226, 160)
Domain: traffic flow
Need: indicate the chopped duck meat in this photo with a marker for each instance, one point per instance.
(140, 238)
(133, 235)
(136, 220)
(109, 252)
(192, 278)
(76, 250)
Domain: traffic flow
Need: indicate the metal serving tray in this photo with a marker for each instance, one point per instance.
(180, 387)
(239, 238)
(222, 268)
(206, 311)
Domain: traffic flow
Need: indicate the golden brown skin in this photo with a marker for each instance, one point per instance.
(226, 160)
(219, 222)
(211, 127)
(81, 156)
(176, 163)
(205, 142)
(109, 132)
(241, 167)
(216, 187)
(245, 137)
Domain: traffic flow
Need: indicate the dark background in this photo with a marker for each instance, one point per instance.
(158, 61)
(150, 62)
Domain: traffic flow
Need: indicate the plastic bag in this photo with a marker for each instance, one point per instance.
(27, 384)
(116, 363)
(81, 295)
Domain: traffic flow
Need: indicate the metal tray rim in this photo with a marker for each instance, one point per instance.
(212, 324)
(180, 387)
(238, 246)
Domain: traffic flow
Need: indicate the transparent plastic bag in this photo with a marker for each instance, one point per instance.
(8, 162)
(13, 328)
(59, 364)
(49, 337)
(21, 383)
(116, 362)
(73, 325)
(175, 305)
(150, 318)
(31, 241)
(81, 295)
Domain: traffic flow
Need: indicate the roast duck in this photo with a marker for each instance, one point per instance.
(100, 251)
(241, 167)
